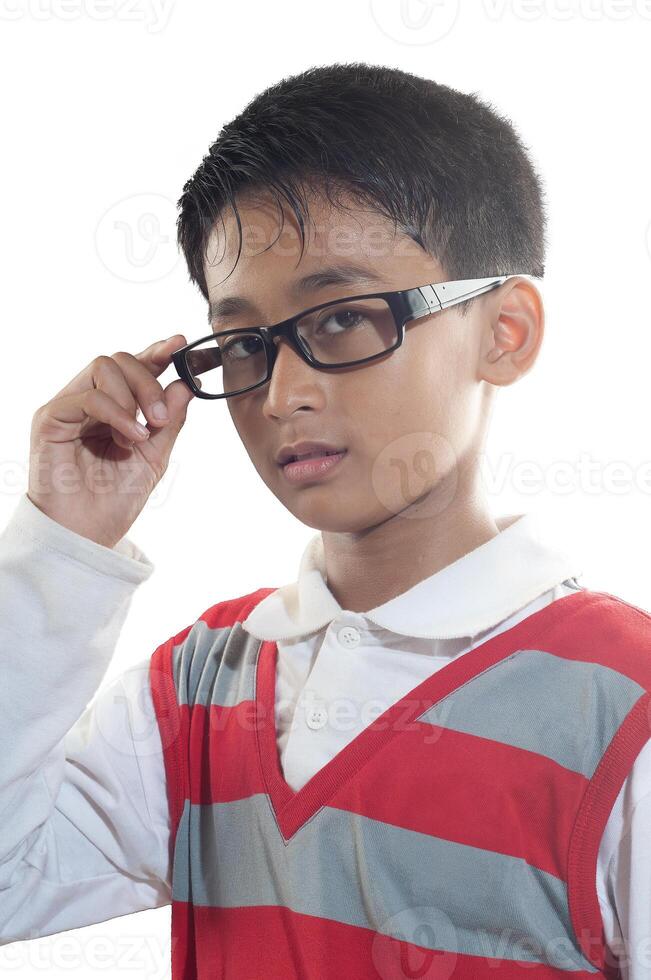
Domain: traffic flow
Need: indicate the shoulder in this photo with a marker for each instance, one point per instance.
(606, 629)
(209, 629)
(620, 619)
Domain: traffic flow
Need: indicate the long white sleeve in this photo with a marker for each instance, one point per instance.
(83, 825)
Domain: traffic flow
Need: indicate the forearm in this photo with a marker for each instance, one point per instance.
(63, 602)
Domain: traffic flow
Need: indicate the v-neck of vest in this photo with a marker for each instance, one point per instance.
(293, 808)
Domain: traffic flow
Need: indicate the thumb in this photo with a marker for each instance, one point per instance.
(177, 398)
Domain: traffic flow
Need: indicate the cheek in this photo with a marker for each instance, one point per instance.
(408, 392)
(408, 427)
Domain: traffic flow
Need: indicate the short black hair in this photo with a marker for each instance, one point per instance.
(445, 166)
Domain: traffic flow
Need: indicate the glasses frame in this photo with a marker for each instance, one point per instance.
(406, 305)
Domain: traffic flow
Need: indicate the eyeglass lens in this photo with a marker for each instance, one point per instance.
(336, 334)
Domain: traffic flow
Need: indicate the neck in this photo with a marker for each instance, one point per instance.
(367, 568)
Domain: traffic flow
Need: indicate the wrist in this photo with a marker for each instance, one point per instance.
(123, 560)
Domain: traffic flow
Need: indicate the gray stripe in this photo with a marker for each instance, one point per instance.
(566, 710)
(215, 665)
(352, 869)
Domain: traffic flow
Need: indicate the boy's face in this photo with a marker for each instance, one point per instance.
(407, 420)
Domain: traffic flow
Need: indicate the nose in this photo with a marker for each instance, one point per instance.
(291, 385)
(286, 342)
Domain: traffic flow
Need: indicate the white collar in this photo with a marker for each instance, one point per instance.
(472, 594)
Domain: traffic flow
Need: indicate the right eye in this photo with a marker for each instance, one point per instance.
(240, 348)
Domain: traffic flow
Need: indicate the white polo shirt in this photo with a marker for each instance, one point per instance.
(85, 829)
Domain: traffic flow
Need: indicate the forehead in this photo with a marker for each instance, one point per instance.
(272, 252)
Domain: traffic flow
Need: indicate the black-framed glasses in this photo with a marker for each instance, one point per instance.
(340, 333)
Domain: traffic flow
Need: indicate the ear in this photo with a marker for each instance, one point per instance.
(514, 324)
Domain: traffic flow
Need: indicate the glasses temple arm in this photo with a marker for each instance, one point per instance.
(450, 293)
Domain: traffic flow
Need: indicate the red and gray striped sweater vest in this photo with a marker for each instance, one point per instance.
(455, 836)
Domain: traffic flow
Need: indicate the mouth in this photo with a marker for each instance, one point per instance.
(307, 449)
(313, 455)
(308, 467)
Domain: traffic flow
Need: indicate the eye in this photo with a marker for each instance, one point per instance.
(344, 319)
(240, 348)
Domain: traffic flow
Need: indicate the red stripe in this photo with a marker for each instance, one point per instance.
(442, 782)
(173, 727)
(451, 771)
(223, 759)
(613, 633)
(174, 719)
(615, 764)
(183, 942)
(275, 943)
(230, 611)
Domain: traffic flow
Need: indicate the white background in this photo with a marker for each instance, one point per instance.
(108, 108)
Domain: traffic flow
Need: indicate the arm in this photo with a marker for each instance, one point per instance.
(83, 814)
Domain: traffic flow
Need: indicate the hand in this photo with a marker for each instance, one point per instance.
(89, 469)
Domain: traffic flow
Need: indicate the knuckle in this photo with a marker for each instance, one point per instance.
(102, 361)
(156, 392)
(40, 411)
(43, 424)
(144, 375)
(142, 382)
(92, 399)
(38, 420)
(149, 389)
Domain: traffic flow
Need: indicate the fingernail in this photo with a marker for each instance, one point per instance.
(140, 429)
(159, 411)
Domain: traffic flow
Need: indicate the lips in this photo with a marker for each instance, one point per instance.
(314, 455)
(306, 450)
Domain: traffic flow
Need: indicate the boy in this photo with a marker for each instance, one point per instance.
(475, 808)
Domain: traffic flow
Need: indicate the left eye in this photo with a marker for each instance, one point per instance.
(350, 318)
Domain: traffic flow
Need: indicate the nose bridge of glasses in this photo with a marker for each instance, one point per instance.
(282, 333)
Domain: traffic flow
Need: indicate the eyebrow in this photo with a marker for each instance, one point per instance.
(333, 275)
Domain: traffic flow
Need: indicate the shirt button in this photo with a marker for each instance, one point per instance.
(348, 636)
(316, 716)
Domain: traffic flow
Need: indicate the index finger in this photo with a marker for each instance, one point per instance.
(157, 356)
